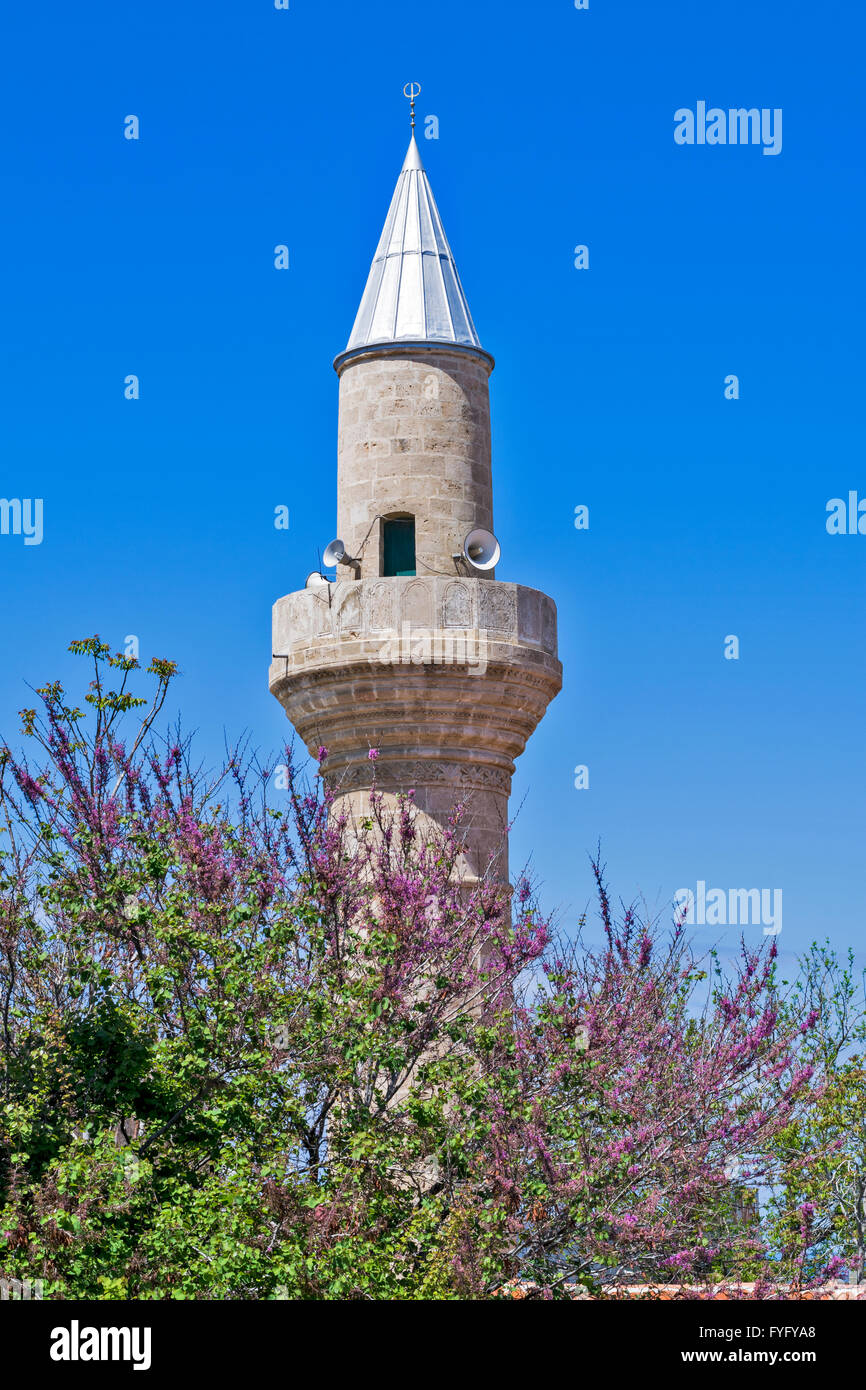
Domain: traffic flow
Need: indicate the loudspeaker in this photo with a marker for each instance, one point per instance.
(334, 553)
(481, 549)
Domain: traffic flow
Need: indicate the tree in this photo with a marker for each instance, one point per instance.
(819, 1210)
(177, 950)
(647, 1103)
(250, 1051)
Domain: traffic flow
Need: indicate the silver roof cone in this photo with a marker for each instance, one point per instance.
(413, 291)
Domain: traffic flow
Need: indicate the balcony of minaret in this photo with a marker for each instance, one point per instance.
(446, 677)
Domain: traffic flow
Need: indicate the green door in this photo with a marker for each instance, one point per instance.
(399, 546)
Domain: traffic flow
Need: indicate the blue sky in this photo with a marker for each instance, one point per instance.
(707, 516)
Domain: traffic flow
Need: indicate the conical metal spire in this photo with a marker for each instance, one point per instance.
(413, 290)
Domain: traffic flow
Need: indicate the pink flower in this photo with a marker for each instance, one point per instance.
(323, 753)
(373, 754)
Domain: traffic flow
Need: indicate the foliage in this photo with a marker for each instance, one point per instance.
(249, 1050)
(818, 1214)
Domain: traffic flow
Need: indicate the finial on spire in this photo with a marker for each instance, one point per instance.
(412, 90)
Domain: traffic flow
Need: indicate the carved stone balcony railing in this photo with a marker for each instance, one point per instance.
(353, 621)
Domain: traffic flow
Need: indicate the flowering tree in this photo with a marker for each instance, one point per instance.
(656, 1109)
(249, 1051)
(818, 1213)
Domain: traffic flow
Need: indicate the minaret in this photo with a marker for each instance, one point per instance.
(414, 650)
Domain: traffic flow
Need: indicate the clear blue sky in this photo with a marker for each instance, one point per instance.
(707, 516)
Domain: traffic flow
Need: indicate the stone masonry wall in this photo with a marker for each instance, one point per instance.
(414, 438)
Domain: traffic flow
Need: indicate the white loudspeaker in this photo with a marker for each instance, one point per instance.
(315, 580)
(334, 553)
(481, 549)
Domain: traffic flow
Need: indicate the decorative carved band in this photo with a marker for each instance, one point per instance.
(421, 772)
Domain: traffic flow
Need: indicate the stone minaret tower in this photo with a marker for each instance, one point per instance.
(414, 651)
